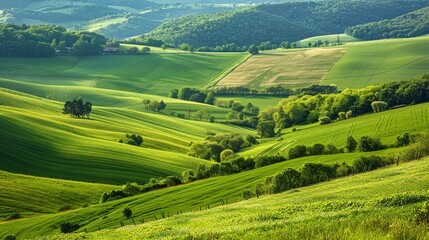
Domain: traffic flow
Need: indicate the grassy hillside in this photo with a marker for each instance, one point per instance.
(154, 73)
(190, 197)
(291, 68)
(387, 126)
(344, 208)
(88, 150)
(331, 38)
(370, 63)
(31, 196)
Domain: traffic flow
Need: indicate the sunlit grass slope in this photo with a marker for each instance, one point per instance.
(38, 140)
(152, 74)
(30, 196)
(346, 208)
(385, 125)
(332, 39)
(375, 62)
(188, 197)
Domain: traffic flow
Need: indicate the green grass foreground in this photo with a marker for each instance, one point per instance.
(346, 208)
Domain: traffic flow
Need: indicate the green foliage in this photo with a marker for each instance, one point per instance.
(351, 144)
(403, 140)
(401, 200)
(127, 213)
(421, 215)
(266, 129)
(379, 106)
(133, 50)
(76, 108)
(68, 227)
(225, 154)
(9, 237)
(268, 160)
(13, 216)
(369, 163)
(368, 144)
(253, 49)
(133, 139)
(297, 151)
(324, 120)
(408, 25)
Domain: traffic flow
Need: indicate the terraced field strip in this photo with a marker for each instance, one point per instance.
(377, 62)
(291, 69)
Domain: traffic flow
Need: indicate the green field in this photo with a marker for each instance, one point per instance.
(151, 74)
(332, 38)
(376, 62)
(346, 208)
(88, 150)
(31, 196)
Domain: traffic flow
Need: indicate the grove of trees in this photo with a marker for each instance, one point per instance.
(76, 108)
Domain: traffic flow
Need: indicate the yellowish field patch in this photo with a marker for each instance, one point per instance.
(292, 69)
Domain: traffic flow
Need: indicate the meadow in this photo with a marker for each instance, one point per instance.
(332, 39)
(377, 62)
(346, 208)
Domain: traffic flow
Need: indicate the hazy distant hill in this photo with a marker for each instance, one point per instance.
(408, 25)
(280, 22)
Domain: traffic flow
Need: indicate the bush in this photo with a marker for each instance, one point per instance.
(65, 208)
(368, 144)
(9, 237)
(268, 160)
(324, 120)
(134, 139)
(13, 216)
(225, 154)
(316, 149)
(403, 140)
(343, 170)
(421, 215)
(246, 194)
(313, 173)
(172, 181)
(401, 200)
(297, 151)
(127, 213)
(69, 227)
(365, 164)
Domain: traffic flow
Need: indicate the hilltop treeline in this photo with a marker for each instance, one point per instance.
(409, 25)
(308, 109)
(279, 22)
(45, 40)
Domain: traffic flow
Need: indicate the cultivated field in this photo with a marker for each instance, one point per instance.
(332, 39)
(291, 68)
(370, 63)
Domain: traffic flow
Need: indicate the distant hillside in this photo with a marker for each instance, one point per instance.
(242, 27)
(280, 22)
(408, 25)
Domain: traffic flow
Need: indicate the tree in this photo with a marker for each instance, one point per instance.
(351, 144)
(253, 49)
(225, 154)
(145, 50)
(379, 106)
(266, 128)
(133, 139)
(69, 227)
(200, 114)
(367, 144)
(127, 213)
(324, 120)
(210, 99)
(133, 50)
(297, 151)
(76, 108)
(185, 46)
(164, 47)
(173, 93)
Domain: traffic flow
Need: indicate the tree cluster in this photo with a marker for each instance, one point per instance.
(277, 90)
(76, 108)
(304, 109)
(214, 145)
(313, 173)
(45, 40)
(408, 25)
(154, 105)
(193, 94)
(132, 139)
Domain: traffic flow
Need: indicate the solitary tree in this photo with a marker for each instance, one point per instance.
(351, 144)
(253, 49)
(127, 213)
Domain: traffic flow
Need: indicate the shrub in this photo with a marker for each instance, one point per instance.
(421, 215)
(268, 160)
(364, 164)
(285, 180)
(127, 213)
(351, 144)
(324, 120)
(65, 208)
(343, 170)
(403, 140)
(246, 194)
(313, 173)
(172, 181)
(367, 144)
(69, 227)
(331, 149)
(316, 149)
(131, 189)
(297, 151)
(9, 237)
(13, 216)
(401, 200)
(225, 154)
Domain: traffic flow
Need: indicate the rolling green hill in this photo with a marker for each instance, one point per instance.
(346, 208)
(376, 62)
(32, 196)
(281, 22)
(152, 74)
(88, 150)
(190, 197)
(408, 25)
